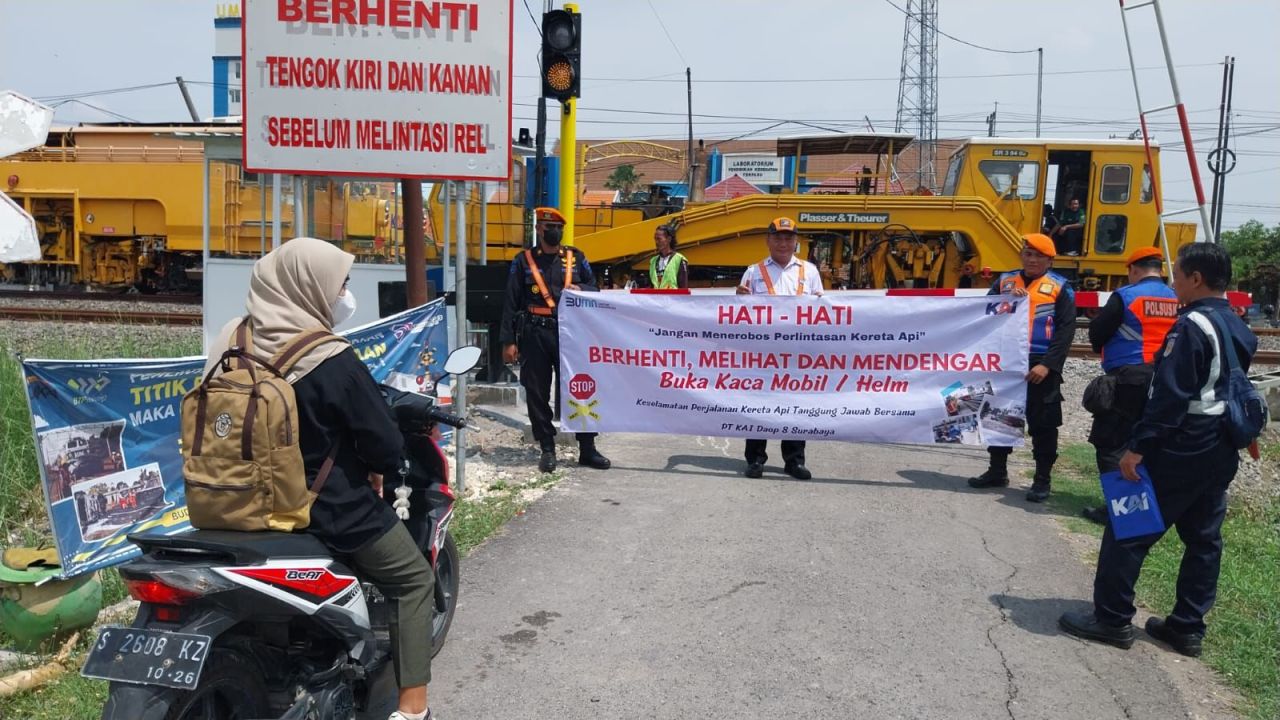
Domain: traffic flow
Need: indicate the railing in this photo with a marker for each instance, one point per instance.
(111, 154)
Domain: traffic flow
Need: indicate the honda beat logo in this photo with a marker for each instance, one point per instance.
(1132, 504)
(1003, 307)
(307, 575)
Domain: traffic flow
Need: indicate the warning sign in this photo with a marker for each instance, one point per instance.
(390, 88)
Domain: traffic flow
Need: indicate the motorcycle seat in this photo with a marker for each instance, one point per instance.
(245, 548)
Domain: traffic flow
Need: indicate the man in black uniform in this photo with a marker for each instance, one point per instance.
(1182, 441)
(531, 334)
(1128, 331)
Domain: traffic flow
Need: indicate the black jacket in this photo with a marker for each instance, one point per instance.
(1171, 422)
(340, 402)
(521, 285)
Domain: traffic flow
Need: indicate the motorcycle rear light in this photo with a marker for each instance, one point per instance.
(157, 593)
(168, 613)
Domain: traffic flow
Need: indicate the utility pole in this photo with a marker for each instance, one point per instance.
(1222, 160)
(415, 244)
(1039, 85)
(191, 107)
(991, 121)
(688, 82)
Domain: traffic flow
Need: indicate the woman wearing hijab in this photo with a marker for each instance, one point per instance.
(302, 286)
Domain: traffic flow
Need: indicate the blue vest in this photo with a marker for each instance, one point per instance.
(1042, 294)
(1150, 309)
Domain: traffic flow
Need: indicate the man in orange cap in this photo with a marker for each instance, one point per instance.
(1128, 331)
(782, 273)
(1053, 325)
(530, 332)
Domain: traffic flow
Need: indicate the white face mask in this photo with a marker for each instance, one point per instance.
(344, 307)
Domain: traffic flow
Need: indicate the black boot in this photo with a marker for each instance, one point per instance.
(547, 463)
(1087, 627)
(997, 474)
(589, 456)
(1039, 491)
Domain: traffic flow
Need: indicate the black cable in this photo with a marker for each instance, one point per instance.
(965, 42)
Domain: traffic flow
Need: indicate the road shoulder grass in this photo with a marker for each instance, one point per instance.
(1243, 643)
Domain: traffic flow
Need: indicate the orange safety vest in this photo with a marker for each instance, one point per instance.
(768, 282)
(1150, 309)
(1042, 295)
(541, 285)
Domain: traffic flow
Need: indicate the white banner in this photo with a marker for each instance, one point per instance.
(840, 367)
(755, 169)
(392, 88)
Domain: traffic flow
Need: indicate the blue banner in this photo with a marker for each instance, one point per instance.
(1131, 505)
(107, 433)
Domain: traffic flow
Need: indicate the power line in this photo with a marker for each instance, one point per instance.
(809, 80)
(536, 26)
(966, 42)
(667, 33)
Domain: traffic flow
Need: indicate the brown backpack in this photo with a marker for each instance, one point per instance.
(241, 461)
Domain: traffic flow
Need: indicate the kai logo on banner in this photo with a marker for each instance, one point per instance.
(1004, 307)
(86, 385)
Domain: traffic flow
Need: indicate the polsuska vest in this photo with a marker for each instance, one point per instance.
(1150, 309)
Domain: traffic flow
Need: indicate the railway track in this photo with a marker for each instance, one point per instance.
(176, 299)
(1262, 357)
(117, 317)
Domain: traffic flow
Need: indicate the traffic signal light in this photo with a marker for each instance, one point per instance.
(561, 52)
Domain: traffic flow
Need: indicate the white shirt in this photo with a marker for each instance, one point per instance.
(785, 279)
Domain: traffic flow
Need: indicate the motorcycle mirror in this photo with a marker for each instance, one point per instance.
(462, 360)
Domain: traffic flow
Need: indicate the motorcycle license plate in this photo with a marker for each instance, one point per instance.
(148, 657)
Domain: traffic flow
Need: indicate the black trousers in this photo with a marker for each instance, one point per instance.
(539, 361)
(1044, 417)
(792, 451)
(1191, 491)
(1110, 431)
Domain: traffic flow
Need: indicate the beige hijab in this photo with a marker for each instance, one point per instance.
(292, 290)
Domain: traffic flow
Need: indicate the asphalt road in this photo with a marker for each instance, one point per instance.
(673, 587)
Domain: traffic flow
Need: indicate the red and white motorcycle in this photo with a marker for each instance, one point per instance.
(238, 626)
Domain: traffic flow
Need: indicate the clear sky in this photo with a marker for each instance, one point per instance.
(755, 64)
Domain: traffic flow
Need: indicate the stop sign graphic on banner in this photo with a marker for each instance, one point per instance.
(582, 386)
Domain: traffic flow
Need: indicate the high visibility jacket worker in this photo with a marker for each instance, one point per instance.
(1131, 327)
(1043, 293)
(1053, 321)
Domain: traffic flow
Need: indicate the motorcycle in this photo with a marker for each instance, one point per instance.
(241, 625)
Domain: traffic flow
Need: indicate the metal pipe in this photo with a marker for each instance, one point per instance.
(460, 323)
(415, 247)
(1182, 119)
(568, 161)
(204, 212)
(445, 193)
(484, 223)
(275, 210)
(1039, 85)
(262, 215)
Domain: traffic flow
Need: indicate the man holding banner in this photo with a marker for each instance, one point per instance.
(1053, 326)
(782, 273)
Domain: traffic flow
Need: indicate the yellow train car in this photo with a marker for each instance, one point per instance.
(121, 205)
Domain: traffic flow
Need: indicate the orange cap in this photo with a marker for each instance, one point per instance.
(782, 224)
(548, 214)
(1144, 253)
(1041, 244)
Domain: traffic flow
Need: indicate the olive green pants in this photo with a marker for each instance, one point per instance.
(394, 563)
